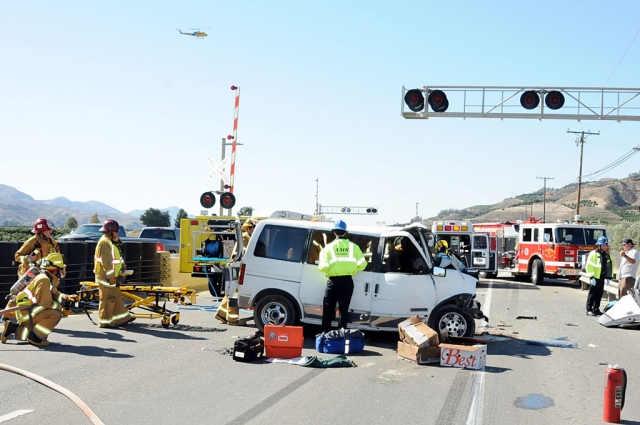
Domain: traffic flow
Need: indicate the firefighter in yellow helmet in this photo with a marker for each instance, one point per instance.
(247, 230)
(108, 268)
(442, 251)
(38, 246)
(42, 299)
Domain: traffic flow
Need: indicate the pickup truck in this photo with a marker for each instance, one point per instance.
(168, 237)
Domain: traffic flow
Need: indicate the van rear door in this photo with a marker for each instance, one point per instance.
(480, 252)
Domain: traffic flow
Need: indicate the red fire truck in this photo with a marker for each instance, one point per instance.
(534, 250)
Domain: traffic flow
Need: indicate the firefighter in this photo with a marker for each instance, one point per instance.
(108, 268)
(247, 230)
(600, 267)
(43, 299)
(339, 261)
(38, 246)
(442, 251)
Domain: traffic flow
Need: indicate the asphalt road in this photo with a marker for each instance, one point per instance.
(146, 374)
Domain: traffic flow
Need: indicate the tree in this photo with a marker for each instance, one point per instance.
(94, 218)
(181, 214)
(71, 223)
(153, 217)
(245, 211)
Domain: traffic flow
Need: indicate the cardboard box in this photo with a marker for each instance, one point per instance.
(420, 355)
(414, 332)
(283, 342)
(467, 353)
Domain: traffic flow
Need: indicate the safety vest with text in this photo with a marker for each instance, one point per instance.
(341, 258)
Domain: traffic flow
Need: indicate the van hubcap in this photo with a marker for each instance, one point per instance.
(274, 314)
(454, 323)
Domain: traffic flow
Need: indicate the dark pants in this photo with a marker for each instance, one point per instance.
(339, 290)
(595, 295)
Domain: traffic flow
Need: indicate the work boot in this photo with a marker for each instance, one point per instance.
(590, 313)
(597, 312)
(9, 328)
(34, 339)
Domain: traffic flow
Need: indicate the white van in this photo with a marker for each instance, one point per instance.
(280, 280)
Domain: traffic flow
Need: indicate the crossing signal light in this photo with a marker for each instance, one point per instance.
(554, 100)
(227, 200)
(372, 211)
(530, 99)
(414, 100)
(207, 200)
(438, 101)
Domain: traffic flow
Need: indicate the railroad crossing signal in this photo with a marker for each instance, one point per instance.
(217, 170)
(612, 104)
(348, 210)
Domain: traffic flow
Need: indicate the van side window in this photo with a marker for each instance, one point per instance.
(320, 239)
(281, 243)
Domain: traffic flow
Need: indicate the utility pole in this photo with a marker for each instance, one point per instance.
(544, 198)
(317, 209)
(581, 141)
(417, 215)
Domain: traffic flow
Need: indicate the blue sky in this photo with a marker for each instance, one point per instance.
(107, 101)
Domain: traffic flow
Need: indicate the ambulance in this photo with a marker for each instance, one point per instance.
(473, 249)
(535, 250)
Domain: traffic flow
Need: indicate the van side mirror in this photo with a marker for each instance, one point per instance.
(439, 272)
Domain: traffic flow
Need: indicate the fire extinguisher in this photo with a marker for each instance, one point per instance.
(615, 386)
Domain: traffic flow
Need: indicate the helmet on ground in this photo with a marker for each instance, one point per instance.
(340, 225)
(41, 225)
(442, 245)
(110, 226)
(54, 261)
(602, 240)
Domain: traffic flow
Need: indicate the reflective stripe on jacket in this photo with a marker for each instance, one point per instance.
(107, 259)
(37, 294)
(341, 258)
(41, 246)
(594, 264)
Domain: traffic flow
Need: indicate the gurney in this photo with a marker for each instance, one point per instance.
(152, 298)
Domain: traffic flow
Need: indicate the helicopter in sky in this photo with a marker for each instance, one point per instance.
(197, 33)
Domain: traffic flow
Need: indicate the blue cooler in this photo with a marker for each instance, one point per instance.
(343, 341)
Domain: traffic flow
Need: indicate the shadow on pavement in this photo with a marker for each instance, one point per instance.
(108, 333)
(175, 332)
(86, 350)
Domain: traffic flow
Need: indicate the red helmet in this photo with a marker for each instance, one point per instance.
(110, 226)
(41, 225)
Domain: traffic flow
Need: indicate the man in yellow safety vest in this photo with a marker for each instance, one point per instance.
(339, 261)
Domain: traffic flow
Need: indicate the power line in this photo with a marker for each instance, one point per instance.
(614, 164)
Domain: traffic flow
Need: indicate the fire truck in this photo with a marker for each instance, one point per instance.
(472, 248)
(535, 250)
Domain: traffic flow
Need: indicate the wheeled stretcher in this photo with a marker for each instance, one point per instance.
(152, 298)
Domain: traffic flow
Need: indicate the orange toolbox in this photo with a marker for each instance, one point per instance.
(283, 342)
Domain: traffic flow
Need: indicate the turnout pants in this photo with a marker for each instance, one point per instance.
(41, 323)
(595, 295)
(338, 291)
(111, 309)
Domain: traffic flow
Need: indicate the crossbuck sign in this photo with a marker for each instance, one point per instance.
(217, 170)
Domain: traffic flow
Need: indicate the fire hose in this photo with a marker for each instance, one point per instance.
(71, 396)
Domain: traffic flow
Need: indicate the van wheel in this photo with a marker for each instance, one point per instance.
(274, 310)
(487, 275)
(537, 272)
(453, 320)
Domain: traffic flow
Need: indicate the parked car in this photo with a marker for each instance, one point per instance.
(167, 237)
(88, 232)
(280, 280)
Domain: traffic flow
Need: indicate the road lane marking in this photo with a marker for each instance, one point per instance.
(13, 415)
(476, 399)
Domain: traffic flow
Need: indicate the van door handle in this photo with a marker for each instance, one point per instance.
(366, 287)
(376, 288)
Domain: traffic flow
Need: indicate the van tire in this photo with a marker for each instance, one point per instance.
(537, 272)
(454, 320)
(274, 310)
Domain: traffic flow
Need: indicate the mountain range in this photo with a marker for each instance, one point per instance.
(607, 200)
(19, 209)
